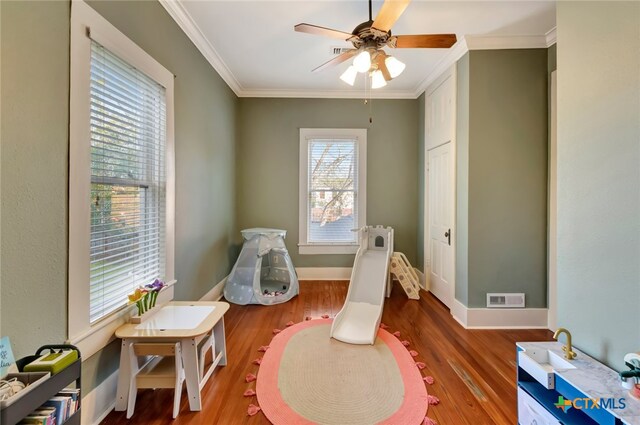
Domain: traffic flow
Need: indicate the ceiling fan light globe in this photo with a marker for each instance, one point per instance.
(362, 62)
(377, 80)
(394, 66)
(349, 76)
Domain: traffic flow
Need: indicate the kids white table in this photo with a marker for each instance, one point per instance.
(187, 322)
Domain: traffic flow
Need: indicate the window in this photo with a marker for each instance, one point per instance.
(128, 178)
(332, 189)
(121, 177)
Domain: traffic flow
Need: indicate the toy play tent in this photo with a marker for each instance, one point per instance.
(263, 273)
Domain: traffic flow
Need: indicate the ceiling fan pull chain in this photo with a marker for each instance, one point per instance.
(370, 108)
(367, 97)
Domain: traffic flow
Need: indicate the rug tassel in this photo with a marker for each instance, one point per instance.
(383, 326)
(263, 349)
(307, 318)
(421, 365)
(433, 400)
(257, 361)
(290, 323)
(250, 377)
(249, 393)
(325, 316)
(252, 409)
(405, 343)
(429, 421)
(429, 380)
(413, 353)
(396, 334)
(276, 331)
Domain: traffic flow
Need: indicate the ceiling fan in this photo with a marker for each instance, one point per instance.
(370, 37)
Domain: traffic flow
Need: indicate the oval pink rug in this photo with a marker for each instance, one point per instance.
(307, 378)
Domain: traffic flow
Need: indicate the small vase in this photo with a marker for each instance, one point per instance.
(137, 319)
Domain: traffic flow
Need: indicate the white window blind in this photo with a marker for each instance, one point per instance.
(332, 191)
(128, 181)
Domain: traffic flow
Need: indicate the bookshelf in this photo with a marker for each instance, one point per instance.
(35, 398)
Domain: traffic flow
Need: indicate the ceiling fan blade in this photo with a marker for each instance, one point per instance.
(442, 41)
(389, 14)
(337, 60)
(382, 66)
(328, 32)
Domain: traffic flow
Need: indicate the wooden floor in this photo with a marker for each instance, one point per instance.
(474, 370)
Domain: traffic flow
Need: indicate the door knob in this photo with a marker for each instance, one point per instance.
(447, 235)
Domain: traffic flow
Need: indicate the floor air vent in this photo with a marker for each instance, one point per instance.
(505, 300)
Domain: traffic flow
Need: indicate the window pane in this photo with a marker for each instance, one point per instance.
(332, 191)
(128, 136)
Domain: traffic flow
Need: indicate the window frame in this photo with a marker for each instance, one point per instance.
(306, 135)
(87, 24)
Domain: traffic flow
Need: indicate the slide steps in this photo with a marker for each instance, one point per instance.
(405, 274)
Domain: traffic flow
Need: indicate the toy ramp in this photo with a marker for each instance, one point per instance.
(359, 319)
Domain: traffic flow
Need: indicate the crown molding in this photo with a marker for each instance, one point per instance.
(551, 36)
(184, 20)
(453, 55)
(476, 42)
(470, 42)
(330, 94)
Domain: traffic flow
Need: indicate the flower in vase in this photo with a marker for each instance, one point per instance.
(137, 295)
(154, 288)
(140, 296)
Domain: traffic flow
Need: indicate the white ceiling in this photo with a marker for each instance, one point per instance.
(253, 46)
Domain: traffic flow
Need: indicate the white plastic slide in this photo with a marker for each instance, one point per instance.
(359, 319)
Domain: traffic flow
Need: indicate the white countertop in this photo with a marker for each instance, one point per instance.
(594, 379)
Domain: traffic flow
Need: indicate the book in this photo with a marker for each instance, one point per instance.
(61, 407)
(42, 416)
(40, 420)
(74, 393)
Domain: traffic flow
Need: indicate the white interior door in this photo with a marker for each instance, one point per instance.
(441, 220)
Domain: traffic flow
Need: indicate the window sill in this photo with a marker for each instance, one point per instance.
(308, 249)
(102, 332)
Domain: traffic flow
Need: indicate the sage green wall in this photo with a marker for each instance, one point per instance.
(35, 53)
(268, 156)
(508, 174)
(421, 188)
(599, 176)
(34, 136)
(462, 180)
(502, 172)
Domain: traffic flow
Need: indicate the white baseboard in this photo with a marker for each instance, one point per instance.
(216, 292)
(324, 273)
(459, 312)
(422, 279)
(100, 401)
(499, 318)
